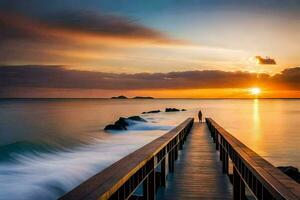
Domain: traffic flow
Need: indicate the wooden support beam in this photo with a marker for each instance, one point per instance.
(181, 145)
(149, 187)
(163, 172)
(238, 186)
(176, 149)
(221, 153)
(171, 161)
(217, 141)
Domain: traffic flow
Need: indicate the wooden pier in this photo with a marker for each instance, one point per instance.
(184, 164)
(198, 171)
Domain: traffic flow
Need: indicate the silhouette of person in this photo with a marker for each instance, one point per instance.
(200, 116)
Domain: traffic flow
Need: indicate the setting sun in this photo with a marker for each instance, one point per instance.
(255, 91)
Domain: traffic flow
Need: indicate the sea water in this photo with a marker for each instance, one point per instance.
(49, 146)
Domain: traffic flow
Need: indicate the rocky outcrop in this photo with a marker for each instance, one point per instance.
(291, 171)
(136, 118)
(172, 110)
(115, 127)
(122, 123)
(152, 111)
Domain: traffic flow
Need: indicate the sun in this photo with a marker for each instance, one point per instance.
(255, 91)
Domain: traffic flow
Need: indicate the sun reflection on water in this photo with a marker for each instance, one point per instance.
(256, 122)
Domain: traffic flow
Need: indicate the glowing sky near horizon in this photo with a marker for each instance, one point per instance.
(152, 36)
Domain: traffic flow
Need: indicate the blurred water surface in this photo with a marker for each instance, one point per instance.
(49, 146)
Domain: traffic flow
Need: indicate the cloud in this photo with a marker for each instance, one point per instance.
(75, 25)
(60, 77)
(95, 23)
(265, 61)
(75, 38)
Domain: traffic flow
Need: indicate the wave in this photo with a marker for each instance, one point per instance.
(32, 170)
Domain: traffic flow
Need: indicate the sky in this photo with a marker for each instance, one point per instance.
(165, 49)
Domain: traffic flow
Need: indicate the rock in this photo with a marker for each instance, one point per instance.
(152, 111)
(119, 97)
(115, 127)
(172, 110)
(137, 118)
(183, 109)
(122, 122)
(291, 171)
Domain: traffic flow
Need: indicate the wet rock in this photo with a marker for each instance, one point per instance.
(172, 110)
(152, 111)
(137, 118)
(291, 171)
(116, 127)
(122, 123)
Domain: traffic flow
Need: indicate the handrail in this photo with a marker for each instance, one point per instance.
(121, 179)
(263, 179)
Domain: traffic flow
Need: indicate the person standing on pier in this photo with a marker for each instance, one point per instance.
(200, 116)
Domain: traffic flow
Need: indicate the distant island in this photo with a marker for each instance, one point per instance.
(137, 97)
(119, 97)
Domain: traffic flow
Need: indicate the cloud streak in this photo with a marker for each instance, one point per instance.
(76, 38)
(60, 77)
(77, 25)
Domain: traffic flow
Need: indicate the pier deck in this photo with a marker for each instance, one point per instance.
(198, 171)
(183, 164)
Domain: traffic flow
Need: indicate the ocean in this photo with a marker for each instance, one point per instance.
(49, 146)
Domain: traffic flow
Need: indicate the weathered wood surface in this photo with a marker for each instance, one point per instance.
(268, 177)
(198, 173)
(104, 184)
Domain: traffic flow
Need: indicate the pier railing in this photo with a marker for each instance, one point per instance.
(146, 168)
(262, 179)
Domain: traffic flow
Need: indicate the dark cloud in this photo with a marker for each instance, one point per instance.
(59, 77)
(265, 61)
(16, 26)
(96, 23)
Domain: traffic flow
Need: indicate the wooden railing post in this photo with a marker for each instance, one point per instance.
(226, 161)
(217, 140)
(149, 184)
(163, 172)
(171, 161)
(221, 153)
(238, 186)
(146, 189)
(152, 185)
(176, 149)
(181, 144)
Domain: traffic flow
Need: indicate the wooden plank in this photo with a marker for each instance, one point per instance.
(198, 173)
(277, 183)
(106, 182)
